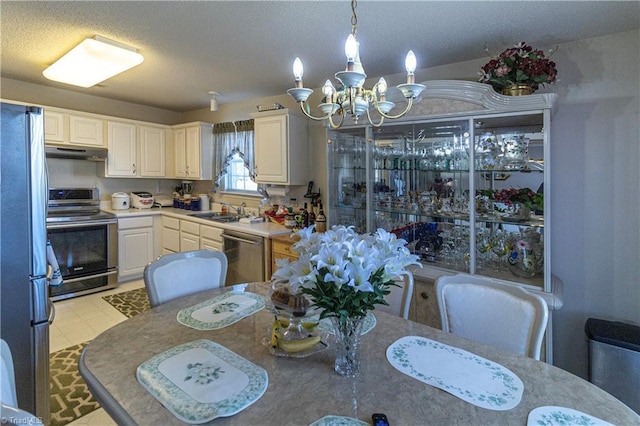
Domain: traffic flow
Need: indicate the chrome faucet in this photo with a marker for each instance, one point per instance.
(239, 210)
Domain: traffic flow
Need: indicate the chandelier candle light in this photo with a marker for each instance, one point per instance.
(353, 98)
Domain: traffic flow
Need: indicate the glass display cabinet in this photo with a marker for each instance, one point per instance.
(465, 181)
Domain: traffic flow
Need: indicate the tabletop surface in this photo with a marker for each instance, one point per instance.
(302, 390)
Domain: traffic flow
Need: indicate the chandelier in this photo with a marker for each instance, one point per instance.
(352, 98)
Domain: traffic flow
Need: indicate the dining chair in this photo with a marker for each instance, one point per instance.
(399, 299)
(9, 411)
(481, 309)
(178, 274)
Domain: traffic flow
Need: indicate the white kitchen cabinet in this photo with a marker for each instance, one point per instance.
(135, 151)
(170, 235)
(193, 150)
(53, 126)
(135, 246)
(64, 128)
(122, 159)
(189, 236)
(152, 151)
(281, 148)
(87, 131)
(211, 238)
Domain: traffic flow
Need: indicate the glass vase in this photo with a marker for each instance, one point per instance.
(347, 341)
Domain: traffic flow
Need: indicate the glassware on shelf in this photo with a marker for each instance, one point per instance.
(487, 150)
(527, 253)
(515, 151)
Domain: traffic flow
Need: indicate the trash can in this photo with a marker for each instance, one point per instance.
(614, 359)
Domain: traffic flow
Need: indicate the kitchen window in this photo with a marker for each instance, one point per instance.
(237, 177)
(233, 162)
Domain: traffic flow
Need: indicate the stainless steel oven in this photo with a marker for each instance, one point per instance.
(85, 241)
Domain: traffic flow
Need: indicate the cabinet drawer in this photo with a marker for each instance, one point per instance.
(135, 222)
(170, 222)
(211, 233)
(189, 227)
(283, 248)
(170, 240)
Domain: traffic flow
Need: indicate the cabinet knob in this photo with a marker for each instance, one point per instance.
(424, 295)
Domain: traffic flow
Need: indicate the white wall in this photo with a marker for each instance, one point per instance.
(596, 181)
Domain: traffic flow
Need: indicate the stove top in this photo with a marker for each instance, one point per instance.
(75, 205)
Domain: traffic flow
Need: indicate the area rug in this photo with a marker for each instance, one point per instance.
(70, 396)
(129, 303)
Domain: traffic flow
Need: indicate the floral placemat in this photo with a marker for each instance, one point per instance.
(553, 415)
(471, 378)
(221, 311)
(202, 380)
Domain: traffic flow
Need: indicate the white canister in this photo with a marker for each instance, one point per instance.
(204, 202)
(120, 201)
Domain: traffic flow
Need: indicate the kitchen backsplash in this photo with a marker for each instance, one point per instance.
(80, 173)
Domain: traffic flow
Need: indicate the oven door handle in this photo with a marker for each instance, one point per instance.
(80, 224)
(103, 274)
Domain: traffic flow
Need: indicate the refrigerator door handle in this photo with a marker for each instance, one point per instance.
(40, 301)
(52, 312)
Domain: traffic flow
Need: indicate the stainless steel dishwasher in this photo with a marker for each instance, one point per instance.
(245, 253)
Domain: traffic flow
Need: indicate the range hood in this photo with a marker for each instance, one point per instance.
(91, 154)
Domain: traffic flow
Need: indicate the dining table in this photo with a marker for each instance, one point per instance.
(306, 390)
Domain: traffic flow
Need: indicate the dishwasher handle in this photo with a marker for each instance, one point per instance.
(242, 240)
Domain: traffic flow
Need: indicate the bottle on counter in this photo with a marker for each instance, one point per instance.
(305, 216)
(312, 215)
(321, 220)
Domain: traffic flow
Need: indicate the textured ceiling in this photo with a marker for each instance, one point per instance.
(245, 50)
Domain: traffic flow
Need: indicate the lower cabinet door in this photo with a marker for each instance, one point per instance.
(135, 251)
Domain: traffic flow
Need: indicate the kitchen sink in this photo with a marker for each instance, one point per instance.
(216, 216)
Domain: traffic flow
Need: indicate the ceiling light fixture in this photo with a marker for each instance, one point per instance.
(353, 98)
(214, 101)
(92, 61)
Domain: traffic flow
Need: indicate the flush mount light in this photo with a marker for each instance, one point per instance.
(214, 101)
(92, 61)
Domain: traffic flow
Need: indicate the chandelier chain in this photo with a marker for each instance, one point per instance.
(354, 18)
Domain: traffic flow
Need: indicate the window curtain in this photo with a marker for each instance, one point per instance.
(228, 139)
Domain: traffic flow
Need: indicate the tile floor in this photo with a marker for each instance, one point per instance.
(79, 320)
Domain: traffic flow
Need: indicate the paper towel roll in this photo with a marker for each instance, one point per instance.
(277, 191)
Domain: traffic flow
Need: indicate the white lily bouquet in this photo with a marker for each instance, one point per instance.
(345, 273)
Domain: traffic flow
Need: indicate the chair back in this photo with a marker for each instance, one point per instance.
(178, 274)
(505, 316)
(7, 377)
(9, 411)
(399, 299)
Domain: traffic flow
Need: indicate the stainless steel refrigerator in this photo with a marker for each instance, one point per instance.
(26, 310)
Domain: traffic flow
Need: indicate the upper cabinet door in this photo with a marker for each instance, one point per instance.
(180, 140)
(86, 131)
(281, 148)
(53, 126)
(152, 152)
(122, 157)
(272, 156)
(193, 152)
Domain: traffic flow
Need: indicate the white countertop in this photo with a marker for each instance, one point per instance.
(262, 229)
